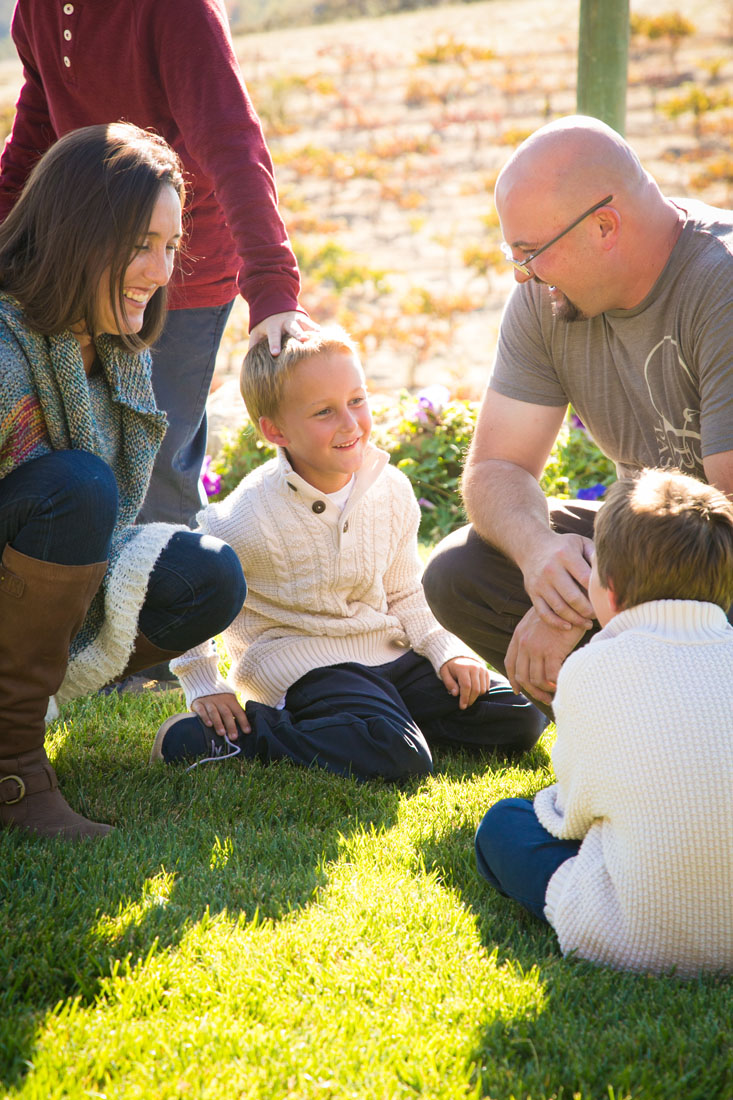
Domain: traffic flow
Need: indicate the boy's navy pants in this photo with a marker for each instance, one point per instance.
(380, 721)
(517, 855)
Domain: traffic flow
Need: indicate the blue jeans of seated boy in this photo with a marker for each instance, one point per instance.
(62, 508)
(517, 855)
(379, 721)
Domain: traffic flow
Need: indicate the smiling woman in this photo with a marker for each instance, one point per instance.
(149, 269)
(85, 594)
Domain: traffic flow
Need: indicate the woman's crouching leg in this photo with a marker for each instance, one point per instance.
(60, 508)
(195, 591)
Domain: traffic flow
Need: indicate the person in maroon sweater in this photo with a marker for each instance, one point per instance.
(169, 67)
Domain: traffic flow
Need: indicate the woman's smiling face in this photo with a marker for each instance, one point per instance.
(150, 268)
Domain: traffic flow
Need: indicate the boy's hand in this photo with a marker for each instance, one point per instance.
(222, 711)
(467, 678)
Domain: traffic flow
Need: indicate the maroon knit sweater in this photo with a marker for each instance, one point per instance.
(166, 64)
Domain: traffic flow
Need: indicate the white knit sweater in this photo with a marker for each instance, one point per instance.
(323, 586)
(644, 763)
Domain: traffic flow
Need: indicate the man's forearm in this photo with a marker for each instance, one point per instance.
(506, 506)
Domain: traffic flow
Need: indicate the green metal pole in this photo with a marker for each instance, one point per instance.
(603, 54)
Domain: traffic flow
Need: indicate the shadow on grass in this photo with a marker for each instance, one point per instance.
(237, 838)
(593, 1032)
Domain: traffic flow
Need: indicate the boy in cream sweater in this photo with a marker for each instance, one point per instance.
(335, 653)
(629, 856)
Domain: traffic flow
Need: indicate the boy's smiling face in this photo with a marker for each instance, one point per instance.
(323, 421)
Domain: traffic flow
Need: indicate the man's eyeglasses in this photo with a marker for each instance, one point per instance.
(523, 265)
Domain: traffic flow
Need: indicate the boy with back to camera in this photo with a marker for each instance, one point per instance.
(629, 856)
(340, 661)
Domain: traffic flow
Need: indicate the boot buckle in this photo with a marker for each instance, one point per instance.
(17, 779)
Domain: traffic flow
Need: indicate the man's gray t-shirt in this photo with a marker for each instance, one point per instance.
(653, 384)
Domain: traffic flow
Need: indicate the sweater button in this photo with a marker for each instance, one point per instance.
(68, 9)
(318, 506)
(67, 35)
(67, 63)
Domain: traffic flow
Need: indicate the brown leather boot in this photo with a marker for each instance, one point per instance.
(148, 659)
(42, 606)
(145, 654)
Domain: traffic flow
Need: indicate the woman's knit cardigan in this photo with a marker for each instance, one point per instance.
(45, 406)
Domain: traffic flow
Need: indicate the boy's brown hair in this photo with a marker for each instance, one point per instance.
(264, 375)
(665, 536)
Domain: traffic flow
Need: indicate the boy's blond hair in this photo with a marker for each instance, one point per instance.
(665, 536)
(264, 375)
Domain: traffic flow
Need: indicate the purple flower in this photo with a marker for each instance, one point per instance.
(594, 493)
(431, 401)
(210, 481)
(576, 422)
(434, 398)
(426, 504)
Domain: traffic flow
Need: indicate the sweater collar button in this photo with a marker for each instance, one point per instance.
(318, 506)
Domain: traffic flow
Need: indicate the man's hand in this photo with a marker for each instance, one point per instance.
(293, 323)
(535, 656)
(556, 579)
(467, 678)
(222, 711)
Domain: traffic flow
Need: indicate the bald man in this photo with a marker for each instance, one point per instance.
(623, 307)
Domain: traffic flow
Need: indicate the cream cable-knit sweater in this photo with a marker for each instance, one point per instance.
(323, 586)
(644, 763)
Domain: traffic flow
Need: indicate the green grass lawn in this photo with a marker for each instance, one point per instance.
(270, 932)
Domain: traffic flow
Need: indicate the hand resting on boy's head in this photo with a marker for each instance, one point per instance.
(291, 323)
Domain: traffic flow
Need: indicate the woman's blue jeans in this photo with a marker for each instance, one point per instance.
(62, 508)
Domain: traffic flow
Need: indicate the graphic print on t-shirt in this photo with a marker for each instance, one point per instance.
(672, 391)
